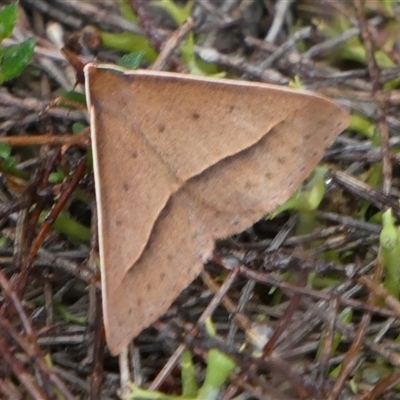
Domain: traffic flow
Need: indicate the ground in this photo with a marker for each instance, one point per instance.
(304, 304)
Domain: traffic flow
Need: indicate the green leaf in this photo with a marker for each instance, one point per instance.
(68, 316)
(57, 176)
(75, 97)
(129, 43)
(8, 166)
(210, 328)
(69, 227)
(219, 366)
(138, 393)
(177, 13)
(389, 253)
(8, 162)
(3, 241)
(131, 60)
(78, 127)
(5, 150)
(126, 10)
(188, 375)
(195, 65)
(364, 126)
(296, 83)
(8, 19)
(15, 58)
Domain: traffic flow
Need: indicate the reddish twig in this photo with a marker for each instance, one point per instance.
(29, 345)
(293, 306)
(19, 370)
(20, 283)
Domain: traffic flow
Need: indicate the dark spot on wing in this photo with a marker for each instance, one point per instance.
(248, 185)
(125, 186)
(194, 235)
(134, 154)
(148, 286)
(281, 160)
(161, 128)
(231, 108)
(217, 213)
(118, 222)
(195, 116)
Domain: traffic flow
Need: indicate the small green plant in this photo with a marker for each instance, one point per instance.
(219, 367)
(306, 202)
(131, 60)
(389, 253)
(14, 58)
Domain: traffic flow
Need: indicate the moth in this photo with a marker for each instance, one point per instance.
(180, 161)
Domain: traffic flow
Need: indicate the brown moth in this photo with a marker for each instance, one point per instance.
(180, 161)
